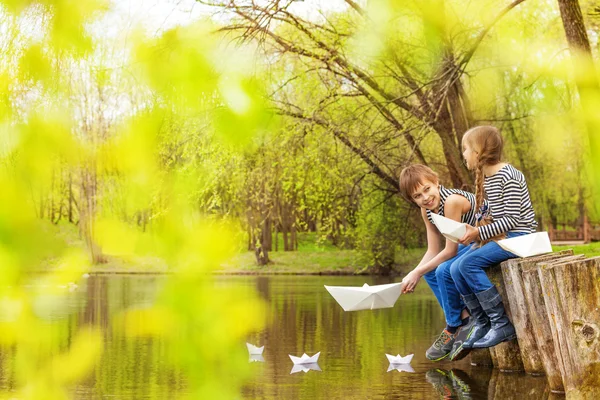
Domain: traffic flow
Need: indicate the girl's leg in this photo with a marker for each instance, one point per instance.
(484, 294)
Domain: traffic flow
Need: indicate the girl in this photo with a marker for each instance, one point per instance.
(420, 184)
(509, 213)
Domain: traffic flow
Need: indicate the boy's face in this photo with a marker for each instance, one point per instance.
(427, 195)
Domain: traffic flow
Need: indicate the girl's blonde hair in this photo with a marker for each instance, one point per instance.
(486, 141)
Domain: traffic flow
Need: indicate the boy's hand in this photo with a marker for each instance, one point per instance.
(410, 282)
(470, 236)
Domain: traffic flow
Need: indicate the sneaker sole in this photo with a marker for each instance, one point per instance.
(458, 351)
(437, 359)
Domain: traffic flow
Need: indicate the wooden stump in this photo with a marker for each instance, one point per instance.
(516, 386)
(520, 315)
(481, 357)
(506, 356)
(572, 297)
(540, 323)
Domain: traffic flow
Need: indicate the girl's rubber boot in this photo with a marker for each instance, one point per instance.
(463, 345)
(501, 328)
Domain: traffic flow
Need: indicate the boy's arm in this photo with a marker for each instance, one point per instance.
(453, 209)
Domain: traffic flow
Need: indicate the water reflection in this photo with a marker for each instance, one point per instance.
(302, 316)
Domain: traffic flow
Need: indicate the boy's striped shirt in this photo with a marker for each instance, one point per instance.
(468, 218)
(509, 202)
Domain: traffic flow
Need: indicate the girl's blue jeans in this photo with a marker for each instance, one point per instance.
(441, 283)
(468, 270)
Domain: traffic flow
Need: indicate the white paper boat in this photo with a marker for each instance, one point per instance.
(253, 350)
(451, 229)
(354, 298)
(400, 368)
(305, 368)
(256, 358)
(305, 359)
(399, 359)
(527, 245)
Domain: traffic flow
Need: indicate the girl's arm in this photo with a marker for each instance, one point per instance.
(455, 206)
(512, 195)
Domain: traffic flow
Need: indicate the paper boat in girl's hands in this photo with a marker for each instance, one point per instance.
(527, 245)
(399, 359)
(305, 368)
(305, 359)
(253, 350)
(451, 229)
(354, 298)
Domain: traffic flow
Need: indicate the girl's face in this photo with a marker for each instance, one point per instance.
(470, 155)
(427, 195)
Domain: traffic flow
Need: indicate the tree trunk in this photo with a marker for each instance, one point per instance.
(585, 75)
(520, 313)
(572, 295)
(541, 325)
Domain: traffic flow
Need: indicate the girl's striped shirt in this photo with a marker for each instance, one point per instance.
(509, 203)
(468, 218)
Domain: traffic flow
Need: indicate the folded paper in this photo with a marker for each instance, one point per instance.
(354, 298)
(451, 229)
(400, 368)
(256, 358)
(305, 359)
(399, 359)
(253, 350)
(305, 368)
(527, 245)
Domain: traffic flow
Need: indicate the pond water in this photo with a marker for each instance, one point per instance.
(301, 318)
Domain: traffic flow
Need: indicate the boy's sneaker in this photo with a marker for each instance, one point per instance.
(441, 347)
(458, 351)
(441, 381)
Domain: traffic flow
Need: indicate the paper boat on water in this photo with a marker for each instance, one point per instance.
(399, 359)
(305, 359)
(527, 245)
(305, 368)
(400, 368)
(253, 350)
(451, 229)
(256, 358)
(353, 298)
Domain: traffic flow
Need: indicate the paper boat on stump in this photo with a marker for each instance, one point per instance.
(305, 368)
(451, 229)
(305, 359)
(527, 245)
(353, 298)
(256, 358)
(399, 359)
(253, 350)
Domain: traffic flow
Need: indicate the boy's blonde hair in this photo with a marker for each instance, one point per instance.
(413, 176)
(487, 142)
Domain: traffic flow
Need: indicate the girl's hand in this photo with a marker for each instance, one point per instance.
(470, 236)
(410, 281)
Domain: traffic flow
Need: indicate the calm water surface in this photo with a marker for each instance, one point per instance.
(301, 318)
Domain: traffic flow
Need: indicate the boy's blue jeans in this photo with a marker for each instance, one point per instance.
(441, 283)
(468, 271)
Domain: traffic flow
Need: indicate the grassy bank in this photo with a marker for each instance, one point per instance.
(313, 256)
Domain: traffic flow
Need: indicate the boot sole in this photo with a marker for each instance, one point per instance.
(508, 339)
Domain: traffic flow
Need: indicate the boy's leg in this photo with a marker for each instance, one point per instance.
(431, 280)
(452, 306)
